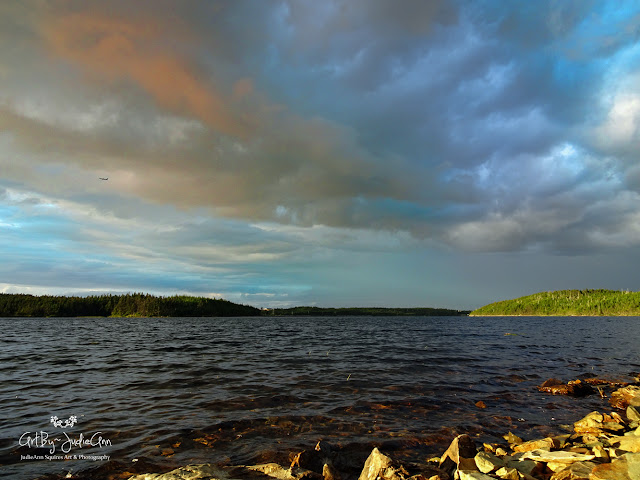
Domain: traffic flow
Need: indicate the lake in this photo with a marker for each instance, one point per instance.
(148, 394)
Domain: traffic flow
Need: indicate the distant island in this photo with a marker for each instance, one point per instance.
(368, 311)
(567, 303)
(145, 305)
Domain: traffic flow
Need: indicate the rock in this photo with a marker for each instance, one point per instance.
(488, 462)
(473, 475)
(576, 471)
(559, 456)
(600, 452)
(544, 444)
(330, 473)
(551, 382)
(461, 447)
(633, 414)
(625, 396)
(313, 460)
(508, 473)
(512, 439)
(625, 468)
(279, 472)
(380, 467)
(628, 443)
(596, 423)
(574, 388)
(526, 467)
(189, 472)
(501, 452)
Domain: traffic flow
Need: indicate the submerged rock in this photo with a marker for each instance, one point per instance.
(575, 388)
(189, 472)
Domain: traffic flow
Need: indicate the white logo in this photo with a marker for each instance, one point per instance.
(70, 422)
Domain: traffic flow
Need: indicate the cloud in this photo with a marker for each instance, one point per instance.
(265, 139)
(113, 49)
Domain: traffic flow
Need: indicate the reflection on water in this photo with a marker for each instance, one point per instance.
(246, 390)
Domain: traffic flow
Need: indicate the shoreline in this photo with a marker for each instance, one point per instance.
(601, 446)
(533, 459)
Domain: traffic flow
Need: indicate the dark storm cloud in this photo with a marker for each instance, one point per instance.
(470, 123)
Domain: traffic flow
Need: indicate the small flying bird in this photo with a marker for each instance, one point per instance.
(103, 178)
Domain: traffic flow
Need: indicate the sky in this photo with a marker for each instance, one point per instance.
(433, 153)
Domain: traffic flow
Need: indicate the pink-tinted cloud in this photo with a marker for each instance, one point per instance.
(114, 49)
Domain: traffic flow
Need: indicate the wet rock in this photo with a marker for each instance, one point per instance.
(576, 471)
(462, 447)
(330, 473)
(512, 439)
(279, 472)
(380, 467)
(575, 388)
(488, 462)
(625, 396)
(189, 472)
(313, 460)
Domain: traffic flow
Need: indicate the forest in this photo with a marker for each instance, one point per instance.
(566, 303)
(367, 311)
(128, 305)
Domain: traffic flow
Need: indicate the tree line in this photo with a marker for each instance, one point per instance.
(368, 311)
(128, 305)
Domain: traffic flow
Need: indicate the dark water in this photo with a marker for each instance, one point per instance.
(169, 392)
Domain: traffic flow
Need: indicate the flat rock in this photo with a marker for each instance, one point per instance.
(628, 443)
(274, 470)
(575, 471)
(525, 467)
(488, 462)
(473, 475)
(627, 467)
(560, 456)
(543, 444)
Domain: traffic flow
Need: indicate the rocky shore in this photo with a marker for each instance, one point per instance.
(601, 446)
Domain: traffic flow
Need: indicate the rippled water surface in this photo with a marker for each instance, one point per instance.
(171, 391)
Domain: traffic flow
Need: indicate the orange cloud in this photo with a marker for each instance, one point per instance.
(116, 49)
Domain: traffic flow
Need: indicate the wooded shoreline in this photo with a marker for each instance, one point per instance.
(145, 305)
